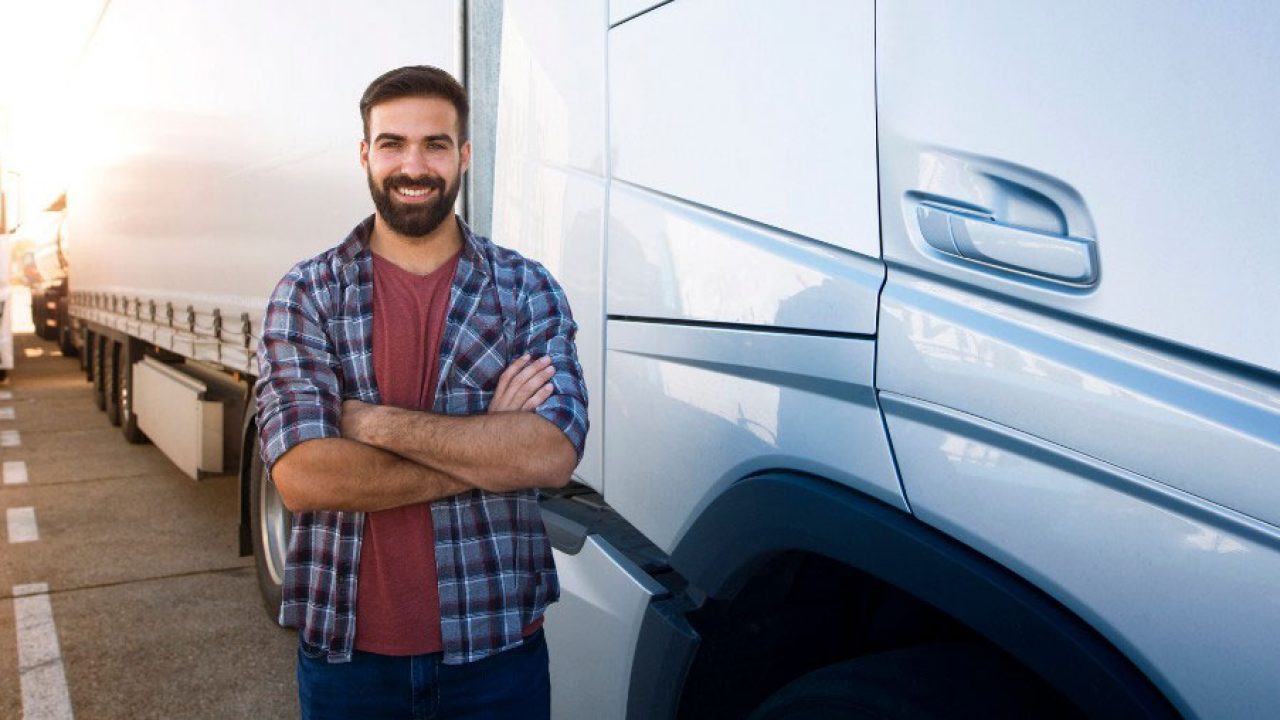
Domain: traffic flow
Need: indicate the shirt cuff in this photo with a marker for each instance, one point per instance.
(570, 416)
(306, 422)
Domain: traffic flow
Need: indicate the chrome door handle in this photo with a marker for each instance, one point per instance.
(970, 236)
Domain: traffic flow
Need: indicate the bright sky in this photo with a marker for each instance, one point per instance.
(40, 43)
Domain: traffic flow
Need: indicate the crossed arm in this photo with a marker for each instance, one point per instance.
(388, 457)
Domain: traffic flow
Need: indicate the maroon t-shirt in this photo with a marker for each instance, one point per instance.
(397, 596)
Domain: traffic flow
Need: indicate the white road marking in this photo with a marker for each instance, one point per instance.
(6, 413)
(10, 438)
(15, 472)
(6, 394)
(22, 525)
(44, 682)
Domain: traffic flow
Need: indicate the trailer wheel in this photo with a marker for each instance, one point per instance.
(48, 326)
(87, 356)
(38, 312)
(111, 392)
(65, 339)
(272, 525)
(124, 400)
(946, 680)
(99, 369)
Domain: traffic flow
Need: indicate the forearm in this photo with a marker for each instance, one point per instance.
(341, 474)
(498, 452)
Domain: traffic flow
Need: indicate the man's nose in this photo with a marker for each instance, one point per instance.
(414, 162)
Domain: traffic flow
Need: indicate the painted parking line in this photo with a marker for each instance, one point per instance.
(6, 413)
(40, 672)
(10, 438)
(6, 394)
(15, 472)
(22, 525)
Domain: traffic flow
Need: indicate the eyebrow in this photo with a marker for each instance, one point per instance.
(430, 138)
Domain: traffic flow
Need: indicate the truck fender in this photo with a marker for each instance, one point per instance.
(762, 516)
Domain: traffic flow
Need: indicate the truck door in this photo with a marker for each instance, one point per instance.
(1078, 350)
(743, 263)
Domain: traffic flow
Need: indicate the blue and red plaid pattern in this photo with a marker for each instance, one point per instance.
(492, 555)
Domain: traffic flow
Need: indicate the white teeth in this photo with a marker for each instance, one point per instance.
(411, 193)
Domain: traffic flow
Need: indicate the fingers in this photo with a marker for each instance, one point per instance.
(530, 378)
(539, 397)
(504, 380)
(516, 366)
(520, 384)
(502, 393)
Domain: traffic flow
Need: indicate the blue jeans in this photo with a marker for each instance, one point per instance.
(513, 684)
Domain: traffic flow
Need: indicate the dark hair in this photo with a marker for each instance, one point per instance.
(416, 81)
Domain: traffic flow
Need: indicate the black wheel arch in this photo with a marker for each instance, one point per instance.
(761, 517)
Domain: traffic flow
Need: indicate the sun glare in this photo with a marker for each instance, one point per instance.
(41, 43)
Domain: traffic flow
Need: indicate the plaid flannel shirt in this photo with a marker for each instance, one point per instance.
(493, 559)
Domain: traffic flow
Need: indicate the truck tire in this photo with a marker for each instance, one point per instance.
(37, 312)
(66, 343)
(124, 400)
(44, 329)
(88, 342)
(111, 373)
(271, 524)
(945, 680)
(99, 369)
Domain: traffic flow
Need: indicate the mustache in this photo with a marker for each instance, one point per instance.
(401, 182)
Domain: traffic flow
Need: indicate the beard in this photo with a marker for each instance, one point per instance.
(420, 219)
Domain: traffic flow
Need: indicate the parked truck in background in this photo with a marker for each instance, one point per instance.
(931, 348)
(43, 245)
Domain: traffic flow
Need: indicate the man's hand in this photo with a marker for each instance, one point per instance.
(524, 385)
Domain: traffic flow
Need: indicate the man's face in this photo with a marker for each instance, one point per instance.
(414, 162)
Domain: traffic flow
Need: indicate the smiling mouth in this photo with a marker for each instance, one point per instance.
(413, 194)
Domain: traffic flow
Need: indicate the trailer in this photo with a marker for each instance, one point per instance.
(221, 147)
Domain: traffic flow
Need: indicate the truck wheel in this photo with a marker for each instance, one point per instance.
(111, 374)
(948, 680)
(65, 340)
(37, 312)
(87, 356)
(272, 524)
(44, 329)
(124, 400)
(100, 345)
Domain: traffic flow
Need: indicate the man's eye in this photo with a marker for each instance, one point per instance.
(437, 146)
(389, 145)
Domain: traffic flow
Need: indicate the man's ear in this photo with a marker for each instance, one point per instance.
(364, 154)
(465, 155)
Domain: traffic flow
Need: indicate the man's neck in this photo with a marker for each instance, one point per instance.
(420, 255)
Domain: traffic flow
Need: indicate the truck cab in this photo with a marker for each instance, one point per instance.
(903, 325)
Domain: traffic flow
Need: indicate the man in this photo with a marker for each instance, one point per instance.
(418, 384)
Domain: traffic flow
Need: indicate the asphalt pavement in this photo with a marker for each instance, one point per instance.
(153, 614)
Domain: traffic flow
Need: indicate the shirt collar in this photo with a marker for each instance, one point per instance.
(357, 242)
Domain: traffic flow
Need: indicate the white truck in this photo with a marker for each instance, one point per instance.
(43, 269)
(932, 347)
